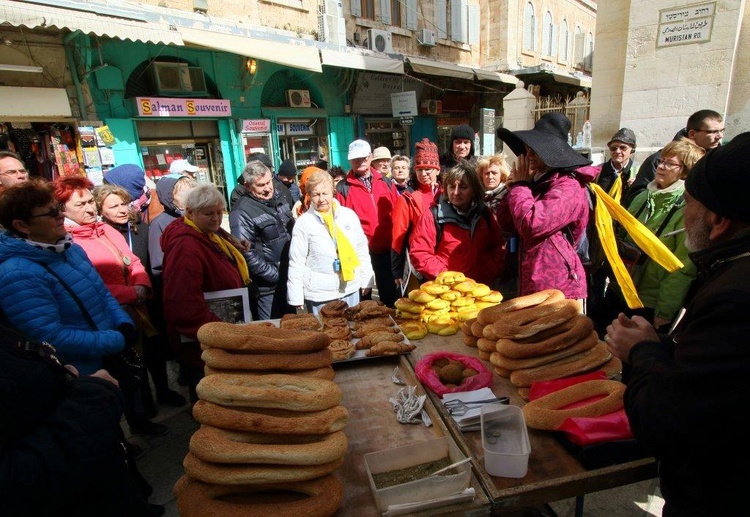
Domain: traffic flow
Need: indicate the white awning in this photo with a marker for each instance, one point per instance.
(33, 16)
(486, 75)
(360, 61)
(287, 54)
(429, 67)
(26, 103)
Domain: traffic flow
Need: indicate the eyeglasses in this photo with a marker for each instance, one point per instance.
(670, 166)
(711, 131)
(623, 148)
(14, 171)
(53, 212)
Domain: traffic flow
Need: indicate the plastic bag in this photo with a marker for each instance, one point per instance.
(586, 430)
(429, 377)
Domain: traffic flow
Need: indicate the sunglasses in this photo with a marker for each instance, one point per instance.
(623, 148)
(53, 212)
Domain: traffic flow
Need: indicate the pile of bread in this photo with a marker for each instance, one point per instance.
(538, 337)
(441, 305)
(271, 425)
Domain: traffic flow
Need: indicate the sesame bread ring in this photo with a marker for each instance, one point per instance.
(470, 341)
(198, 499)
(240, 474)
(565, 367)
(569, 333)
(333, 309)
(486, 345)
(325, 372)
(260, 338)
(263, 420)
(220, 446)
(546, 412)
(466, 326)
(225, 359)
(492, 314)
(477, 329)
(587, 343)
(502, 372)
(523, 324)
(270, 391)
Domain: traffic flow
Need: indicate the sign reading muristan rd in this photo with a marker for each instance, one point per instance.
(689, 24)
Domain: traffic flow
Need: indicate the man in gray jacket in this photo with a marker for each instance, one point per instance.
(263, 216)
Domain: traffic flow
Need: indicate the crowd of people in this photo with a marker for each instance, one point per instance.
(96, 270)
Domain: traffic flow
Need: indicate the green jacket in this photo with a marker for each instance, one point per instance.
(658, 289)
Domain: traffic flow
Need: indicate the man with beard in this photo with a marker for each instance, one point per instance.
(688, 398)
(262, 216)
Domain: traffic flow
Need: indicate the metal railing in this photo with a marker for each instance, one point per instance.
(577, 110)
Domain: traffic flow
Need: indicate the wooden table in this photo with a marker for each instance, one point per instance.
(553, 472)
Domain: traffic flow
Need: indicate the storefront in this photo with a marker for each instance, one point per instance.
(303, 140)
(174, 128)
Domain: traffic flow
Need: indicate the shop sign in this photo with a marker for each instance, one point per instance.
(176, 107)
(404, 104)
(372, 95)
(281, 129)
(689, 24)
(299, 128)
(260, 125)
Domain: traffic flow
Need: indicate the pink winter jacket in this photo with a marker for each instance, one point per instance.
(549, 216)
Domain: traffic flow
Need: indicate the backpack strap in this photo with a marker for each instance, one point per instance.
(671, 212)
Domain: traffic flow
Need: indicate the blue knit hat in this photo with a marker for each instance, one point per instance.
(128, 176)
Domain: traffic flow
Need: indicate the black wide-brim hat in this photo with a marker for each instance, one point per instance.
(548, 139)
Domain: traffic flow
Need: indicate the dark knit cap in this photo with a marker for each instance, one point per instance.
(721, 179)
(288, 169)
(128, 176)
(463, 131)
(426, 155)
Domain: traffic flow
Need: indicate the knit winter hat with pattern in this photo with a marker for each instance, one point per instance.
(426, 155)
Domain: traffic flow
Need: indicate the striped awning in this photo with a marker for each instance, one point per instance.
(125, 27)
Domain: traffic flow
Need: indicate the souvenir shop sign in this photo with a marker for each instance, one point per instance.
(175, 107)
(258, 125)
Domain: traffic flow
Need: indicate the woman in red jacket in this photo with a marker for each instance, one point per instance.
(411, 204)
(458, 233)
(123, 274)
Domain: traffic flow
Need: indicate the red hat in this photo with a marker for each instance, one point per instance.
(426, 155)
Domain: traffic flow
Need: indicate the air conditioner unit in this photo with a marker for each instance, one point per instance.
(333, 8)
(298, 98)
(332, 29)
(177, 79)
(380, 40)
(431, 107)
(426, 38)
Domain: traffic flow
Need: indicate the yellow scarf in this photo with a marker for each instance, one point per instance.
(607, 209)
(346, 253)
(228, 249)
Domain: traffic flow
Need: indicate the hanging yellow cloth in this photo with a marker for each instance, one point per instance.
(607, 209)
(228, 249)
(346, 253)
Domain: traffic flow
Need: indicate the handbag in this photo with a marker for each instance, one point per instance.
(126, 366)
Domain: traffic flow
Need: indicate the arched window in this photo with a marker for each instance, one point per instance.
(589, 58)
(529, 28)
(564, 41)
(548, 30)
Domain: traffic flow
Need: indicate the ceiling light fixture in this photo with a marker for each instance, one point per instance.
(21, 68)
(251, 65)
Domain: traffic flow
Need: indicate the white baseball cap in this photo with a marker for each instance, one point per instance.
(180, 166)
(359, 149)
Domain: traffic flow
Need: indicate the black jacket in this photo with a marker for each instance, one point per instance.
(688, 400)
(61, 446)
(268, 227)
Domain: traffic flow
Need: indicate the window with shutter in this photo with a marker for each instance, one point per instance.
(458, 21)
(547, 35)
(564, 41)
(473, 24)
(441, 18)
(396, 19)
(385, 11)
(411, 15)
(529, 27)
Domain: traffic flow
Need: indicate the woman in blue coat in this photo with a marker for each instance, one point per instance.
(49, 290)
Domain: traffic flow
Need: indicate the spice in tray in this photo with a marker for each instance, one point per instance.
(423, 470)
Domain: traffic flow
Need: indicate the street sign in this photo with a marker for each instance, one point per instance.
(406, 121)
(404, 104)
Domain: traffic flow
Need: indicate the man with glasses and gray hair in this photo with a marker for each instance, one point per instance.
(12, 170)
(704, 127)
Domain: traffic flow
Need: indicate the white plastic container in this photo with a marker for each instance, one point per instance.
(505, 440)
(418, 490)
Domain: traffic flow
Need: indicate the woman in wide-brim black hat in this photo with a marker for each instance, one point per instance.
(547, 207)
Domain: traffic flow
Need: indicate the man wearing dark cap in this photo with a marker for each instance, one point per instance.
(688, 398)
(620, 164)
(287, 175)
(461, 147)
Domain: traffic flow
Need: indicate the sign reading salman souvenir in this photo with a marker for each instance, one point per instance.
(176, 107)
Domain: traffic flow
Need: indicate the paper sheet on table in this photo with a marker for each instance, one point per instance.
(470, 421)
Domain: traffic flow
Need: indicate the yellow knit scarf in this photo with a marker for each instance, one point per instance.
(346, 253)
(228, 249)
(608, 208)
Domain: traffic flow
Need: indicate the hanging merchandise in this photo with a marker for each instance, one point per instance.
(47, 149)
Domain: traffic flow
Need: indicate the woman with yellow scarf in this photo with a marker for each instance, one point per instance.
(199, 257)
(328, 256)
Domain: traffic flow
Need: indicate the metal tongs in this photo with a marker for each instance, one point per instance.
(459, 407)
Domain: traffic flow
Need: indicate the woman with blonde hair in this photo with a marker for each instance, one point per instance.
(493, 171)
(328, 256)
